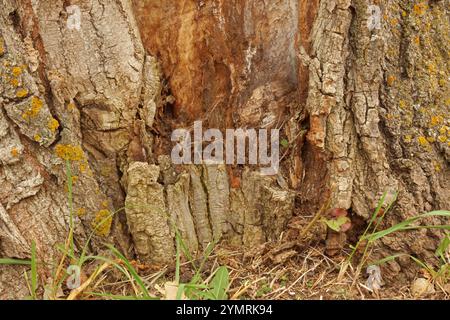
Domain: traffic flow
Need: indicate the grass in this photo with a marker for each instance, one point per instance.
(372, 234)
(225, 273)
(214, 287)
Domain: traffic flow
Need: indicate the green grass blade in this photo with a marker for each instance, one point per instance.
(8, 261)
(180, 291)
(120, 297)
(34, 275)
(387, 259)
(130, 268)
(219, 284)
(177, 258)
(406, 225)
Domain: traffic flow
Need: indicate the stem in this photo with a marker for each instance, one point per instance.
(70, 196)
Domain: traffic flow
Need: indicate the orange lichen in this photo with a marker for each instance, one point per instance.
(390, 80)
(419, 9)
(53, 124)
(2, 47)
(14, 152)
(22, 93)
(102, 222)
(69, 152)
(14, 82)
(74, 179)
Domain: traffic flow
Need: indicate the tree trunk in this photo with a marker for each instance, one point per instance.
(364, 110)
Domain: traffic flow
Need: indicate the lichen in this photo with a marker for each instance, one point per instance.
(71, 106)
(35, 108)
(14, 152)
(53, 124)
(69, 152)
(14, 82)
(407, 138)
(81, 212)
(2, 47)
(420, 9)
(82, 167)
(436, 120)
(423, 141)
(102, 222)
(22, 93)
(16, 71)
(390, 80)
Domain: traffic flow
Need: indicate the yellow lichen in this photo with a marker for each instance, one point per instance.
(431, 68)
(71, 106)
(423, 141)
(407, 138)
(447, 102)
(82, 167)
(444, 129)
(37, 138)
(21, 93)
(53, 124)
(105, 204)
(35, 108)
(81, 212)
(69, 152)
(442, 139)
(437, 167)
(16, 71)
(402, 104)
(74, 179)
(436, 120)
(102, 222)
(431, 139)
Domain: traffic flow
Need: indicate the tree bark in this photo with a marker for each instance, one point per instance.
(364, 111)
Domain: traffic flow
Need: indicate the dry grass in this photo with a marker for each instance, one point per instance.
(310, 274)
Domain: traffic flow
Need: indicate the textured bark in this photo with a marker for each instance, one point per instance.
(364, 112)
